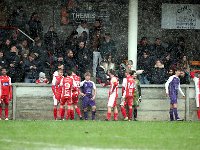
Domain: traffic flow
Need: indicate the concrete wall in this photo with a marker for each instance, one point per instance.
(31, 101)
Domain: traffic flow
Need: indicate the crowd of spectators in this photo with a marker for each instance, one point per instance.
(85, 49)
(158, 61)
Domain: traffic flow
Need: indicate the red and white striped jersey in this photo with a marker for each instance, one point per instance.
(197, 88)
(56, 83)
(128, 87)
(5, 86)
(114, 83)
(67, 84)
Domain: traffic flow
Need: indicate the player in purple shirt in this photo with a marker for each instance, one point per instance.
(172, 86)
(88, 92)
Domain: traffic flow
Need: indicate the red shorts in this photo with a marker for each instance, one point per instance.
(5, 99)
(129, 101)
(67, 100)
(74, 100)
(58, 96)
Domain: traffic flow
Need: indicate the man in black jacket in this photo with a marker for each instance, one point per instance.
(13, 64)
(70, 63)
(31, 68)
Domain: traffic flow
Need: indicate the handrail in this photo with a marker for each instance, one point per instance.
(15, 28)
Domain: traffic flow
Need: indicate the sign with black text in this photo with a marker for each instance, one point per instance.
(180, 16)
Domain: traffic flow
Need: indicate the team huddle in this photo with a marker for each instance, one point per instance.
(67, 90)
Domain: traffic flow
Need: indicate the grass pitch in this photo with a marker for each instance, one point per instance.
(61, 135)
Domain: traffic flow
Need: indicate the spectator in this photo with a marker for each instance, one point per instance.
(83, 27)
(95, 34)
(23, 47)
(6, 47)
(121, 72)
(31, 68)
(102, 77)
(95, 39)
(109, 64)
(51, 39)
(184, 77)
(3, 62)
(167, 61)
(170, 72)
(84, 37)
(57, 62)
(18, 19)
(13, 64)
(35, 26)
(107, 47)
(72, 42)
(70, 63)
(83, 59)
(145, 63)
(157, 50)
(46, 58)
(142, 46)
(184, 63)
(42, 79)
(179, 49)
(23, 58)
(158, 73)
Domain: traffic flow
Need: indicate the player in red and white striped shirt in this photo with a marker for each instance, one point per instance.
(197, 89)
(57, 90)
(113, 95)
(128, 88)
(75, 94)
(67, 84)
(5, 92)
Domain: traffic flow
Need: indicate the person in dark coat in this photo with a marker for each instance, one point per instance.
(35, 26)
(13, 64)
(51, 39)
(31, 68)
(101, 76)
(70, 63)
(3, 61)
(145, 63)
(158, 73)
(83, 59)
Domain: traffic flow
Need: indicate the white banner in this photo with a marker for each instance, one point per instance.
(180, 16)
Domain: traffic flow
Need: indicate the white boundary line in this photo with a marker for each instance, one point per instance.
(50, 146)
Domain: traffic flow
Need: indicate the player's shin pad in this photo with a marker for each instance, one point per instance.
(122, 101)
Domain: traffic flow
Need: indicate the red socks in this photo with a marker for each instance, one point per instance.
(130, 115)
(68, 114)
(108, 116)
(78, 111)
(123, 110)
(72, 114)
(55, 113)
(115, 116)
(0, 111)
(62, 113)
(198, 114)
(6, 111)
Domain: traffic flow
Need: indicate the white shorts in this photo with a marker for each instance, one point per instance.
(197, 100)
(55, 101)
(111, 99)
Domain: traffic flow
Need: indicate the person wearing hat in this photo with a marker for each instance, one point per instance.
(42, 78)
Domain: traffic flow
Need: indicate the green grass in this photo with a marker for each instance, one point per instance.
(99, 135)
